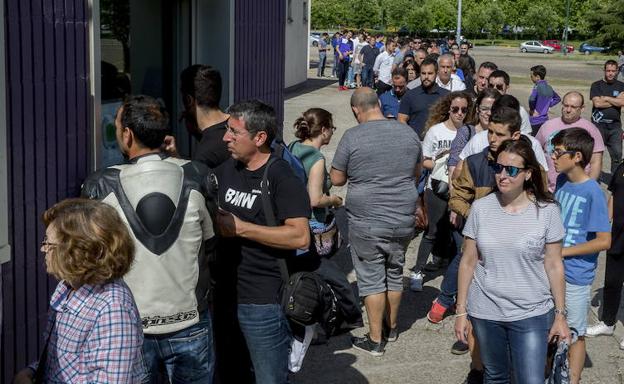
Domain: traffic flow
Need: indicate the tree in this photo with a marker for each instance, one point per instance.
(363, 13)
(542, 19)
(443, 14)
(116, 18)
(418, 19)
(607, 21)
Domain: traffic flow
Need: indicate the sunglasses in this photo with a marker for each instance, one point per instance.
(457, 109)
(500, 87)
(46, 245)
(511, 170)
(560, 152)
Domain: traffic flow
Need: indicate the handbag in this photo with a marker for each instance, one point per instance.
(439, 176)
(325, 236)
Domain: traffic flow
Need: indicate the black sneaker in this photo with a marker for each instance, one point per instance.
(459, 348)
(365, 344)
(474, 377)
(390, 334)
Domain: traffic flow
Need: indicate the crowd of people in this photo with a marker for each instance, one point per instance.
(173, 268)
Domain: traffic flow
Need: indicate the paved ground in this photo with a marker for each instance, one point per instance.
(422, 353)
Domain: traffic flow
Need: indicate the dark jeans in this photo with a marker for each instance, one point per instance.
(524, 343)
(187, 355)
(382, 87)
(612, 136)
(613, 281)
(320, 71)
(268, 339)
(342, 69)
(448, 288)
(367, 76)
(438, 229)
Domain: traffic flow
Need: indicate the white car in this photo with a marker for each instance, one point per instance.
(535, 46)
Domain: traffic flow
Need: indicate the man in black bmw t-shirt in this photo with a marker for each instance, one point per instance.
(249, 249)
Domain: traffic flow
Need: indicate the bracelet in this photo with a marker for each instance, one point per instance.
(461, 314)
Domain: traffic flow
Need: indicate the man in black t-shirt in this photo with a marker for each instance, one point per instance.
(201, 87)
(249, 250)
(368, 54)
(607, 96)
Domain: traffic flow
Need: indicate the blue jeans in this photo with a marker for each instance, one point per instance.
(524, 342)
(350, 74)
(448, 288)
(268, 338)
(186, 355)
(367, 76)
(320, 71)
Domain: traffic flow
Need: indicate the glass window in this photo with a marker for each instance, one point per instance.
(5, 248)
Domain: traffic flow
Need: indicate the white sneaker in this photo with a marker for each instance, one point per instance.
(600, 329)
(416, 281)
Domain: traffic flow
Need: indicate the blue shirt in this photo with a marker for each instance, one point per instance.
(584, 212)
(390, 104)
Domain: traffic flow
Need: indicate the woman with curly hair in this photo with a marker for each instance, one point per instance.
(94, 331)
(445, 117)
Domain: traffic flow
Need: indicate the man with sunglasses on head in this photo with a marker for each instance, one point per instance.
(572, 107)
(500, 80)
(475, 180)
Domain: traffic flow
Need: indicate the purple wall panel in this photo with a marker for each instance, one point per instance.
(48, 121)
(259, 52)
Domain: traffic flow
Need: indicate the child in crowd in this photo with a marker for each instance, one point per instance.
(542, 98)
(588, 231)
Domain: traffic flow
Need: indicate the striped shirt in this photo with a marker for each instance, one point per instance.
(510, 281)
(97, 335)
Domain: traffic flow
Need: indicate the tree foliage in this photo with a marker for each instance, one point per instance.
(602, 19)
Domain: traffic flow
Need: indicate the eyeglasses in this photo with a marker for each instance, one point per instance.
(560, 152)
(572, 106)
(485, 109)
(46, 245)
(511, 170)
(457, 109)
(500, 87)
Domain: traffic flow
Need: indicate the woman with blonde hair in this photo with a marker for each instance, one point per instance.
(94, 331)
(446, 116)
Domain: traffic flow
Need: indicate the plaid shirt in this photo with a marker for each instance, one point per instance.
(97, 336)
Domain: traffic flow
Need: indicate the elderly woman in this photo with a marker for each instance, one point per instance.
(94, 332)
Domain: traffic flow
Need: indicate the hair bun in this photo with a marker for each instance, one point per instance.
(302, 129)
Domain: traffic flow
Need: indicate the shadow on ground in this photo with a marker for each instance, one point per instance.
(309, 85)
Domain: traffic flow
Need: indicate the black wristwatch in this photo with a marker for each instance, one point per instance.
(563, 312)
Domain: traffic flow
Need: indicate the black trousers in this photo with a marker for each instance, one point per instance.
(343, 70)
(612, 137)
(612, 294)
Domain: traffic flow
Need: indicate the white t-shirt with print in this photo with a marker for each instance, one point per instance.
(437, 140)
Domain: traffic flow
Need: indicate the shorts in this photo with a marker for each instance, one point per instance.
(577, 301)
(378, 257)
(357, 68)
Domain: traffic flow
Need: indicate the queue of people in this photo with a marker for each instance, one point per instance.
(173, 268)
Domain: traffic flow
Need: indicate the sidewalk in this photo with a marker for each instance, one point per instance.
(422, 352)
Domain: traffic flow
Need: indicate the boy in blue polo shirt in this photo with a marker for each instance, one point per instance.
(588, 231)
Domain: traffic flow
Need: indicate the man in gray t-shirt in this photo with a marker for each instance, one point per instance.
(380, 159)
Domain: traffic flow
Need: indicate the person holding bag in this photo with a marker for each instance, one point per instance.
(445, 118)
(314, 129)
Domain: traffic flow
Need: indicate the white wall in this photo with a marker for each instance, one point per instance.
(297, 40)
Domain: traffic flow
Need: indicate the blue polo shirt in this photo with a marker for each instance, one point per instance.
(390, 104)
(416, 103)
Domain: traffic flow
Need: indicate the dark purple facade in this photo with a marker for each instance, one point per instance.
(259, 52)
(48, 120)
(50, 125)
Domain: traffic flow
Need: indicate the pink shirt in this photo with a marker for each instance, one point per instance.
(550, 128)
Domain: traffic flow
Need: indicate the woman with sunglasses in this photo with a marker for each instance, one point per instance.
(511, 283)
(94, 331)
(445, 117)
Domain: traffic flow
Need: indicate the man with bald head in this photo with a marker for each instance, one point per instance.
(446, 78)
(571, 109)
(380, 160)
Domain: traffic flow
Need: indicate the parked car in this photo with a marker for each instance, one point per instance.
(557, 45)
(587, 48)
(535, 46)
(314, 39)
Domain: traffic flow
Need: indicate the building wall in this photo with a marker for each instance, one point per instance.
(297, 41)
(48, 125)
(259, 52)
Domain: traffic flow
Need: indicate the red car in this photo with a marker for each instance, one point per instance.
(557, 45)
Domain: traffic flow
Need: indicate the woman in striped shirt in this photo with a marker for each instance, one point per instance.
(511, 283)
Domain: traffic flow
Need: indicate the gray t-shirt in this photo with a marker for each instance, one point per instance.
(380, 158)
(510, 281)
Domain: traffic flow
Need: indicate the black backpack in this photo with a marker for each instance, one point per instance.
(306, 298)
